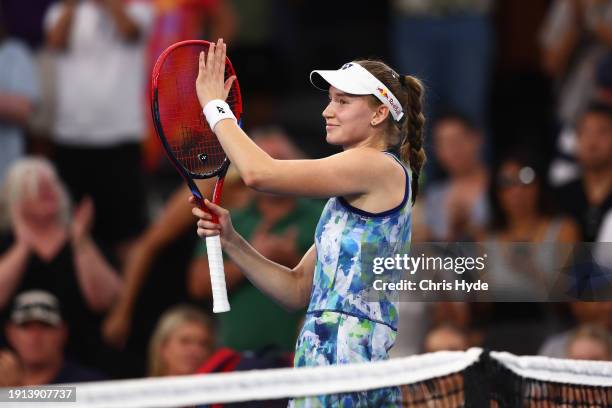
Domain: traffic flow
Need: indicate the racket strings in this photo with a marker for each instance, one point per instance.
(190, 138)
(190, 149)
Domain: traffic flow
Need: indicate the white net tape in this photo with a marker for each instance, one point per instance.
(265, 384)
(597, 373)
(297, 382)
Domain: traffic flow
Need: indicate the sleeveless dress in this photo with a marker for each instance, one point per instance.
(345, 323)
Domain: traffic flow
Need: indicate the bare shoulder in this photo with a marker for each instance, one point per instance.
(386, 178)
(371, 159)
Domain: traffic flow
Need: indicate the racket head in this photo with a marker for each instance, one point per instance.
(188, 140)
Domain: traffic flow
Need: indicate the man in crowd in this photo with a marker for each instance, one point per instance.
(38, 335)
(589, 197)
(99, 49)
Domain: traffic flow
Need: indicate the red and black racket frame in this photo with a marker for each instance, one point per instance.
(187, 175)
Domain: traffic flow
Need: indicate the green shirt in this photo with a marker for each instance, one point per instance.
(255, 320)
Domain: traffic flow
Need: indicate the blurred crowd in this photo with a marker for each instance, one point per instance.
(101, 272)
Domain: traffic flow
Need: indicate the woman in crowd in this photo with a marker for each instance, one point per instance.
(183, 339)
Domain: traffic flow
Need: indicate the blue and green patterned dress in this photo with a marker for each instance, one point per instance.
(345, 323)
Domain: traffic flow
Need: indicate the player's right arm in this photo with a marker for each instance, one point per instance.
(289, 287)
(358, 172)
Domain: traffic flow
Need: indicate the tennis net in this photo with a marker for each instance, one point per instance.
(474, 378)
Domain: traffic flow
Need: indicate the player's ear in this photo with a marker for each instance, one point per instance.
(380, 115)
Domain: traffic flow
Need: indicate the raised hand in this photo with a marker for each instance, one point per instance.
(210, 82)
(22, 228)
(82, 220)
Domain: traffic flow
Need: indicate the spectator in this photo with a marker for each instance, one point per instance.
(575, 37)
(448, 44)
(519, 271)
(590, 343)
(456, 209)
(523, 213)
(280, 228)
(522, 207)
(183, 339)
(45, 246)
(564, 168)
(585, 314)
(589, 197)
(38, 334)
(100, 55)
(45, 238)
(19, 93)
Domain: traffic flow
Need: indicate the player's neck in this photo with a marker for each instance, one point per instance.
(373, 142)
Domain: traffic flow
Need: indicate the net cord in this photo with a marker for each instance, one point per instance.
(266, 384)
(593, 373)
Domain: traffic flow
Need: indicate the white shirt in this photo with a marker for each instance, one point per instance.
(100, 77)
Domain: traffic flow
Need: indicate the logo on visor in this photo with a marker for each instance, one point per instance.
(394, 105)
(347, 65)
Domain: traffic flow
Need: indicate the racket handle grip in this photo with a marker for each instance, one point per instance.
(217, 274)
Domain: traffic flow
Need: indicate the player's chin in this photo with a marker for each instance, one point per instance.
(333, 139)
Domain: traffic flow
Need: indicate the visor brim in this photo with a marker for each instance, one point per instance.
(339, 79)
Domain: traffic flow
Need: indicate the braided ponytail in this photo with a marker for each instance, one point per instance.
(411, 134)
(406, 137)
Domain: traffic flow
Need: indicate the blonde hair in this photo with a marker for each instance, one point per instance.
(169, 321)
(23, 179)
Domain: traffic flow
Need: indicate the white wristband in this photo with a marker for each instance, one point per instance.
(217, 110)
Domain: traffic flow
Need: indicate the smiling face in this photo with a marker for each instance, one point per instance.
(348, 119)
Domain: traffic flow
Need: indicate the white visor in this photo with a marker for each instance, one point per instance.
(354, 79)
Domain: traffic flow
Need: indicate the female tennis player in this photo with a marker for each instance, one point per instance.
(375, 115)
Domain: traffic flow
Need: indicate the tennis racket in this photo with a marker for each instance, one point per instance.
(189, 142)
